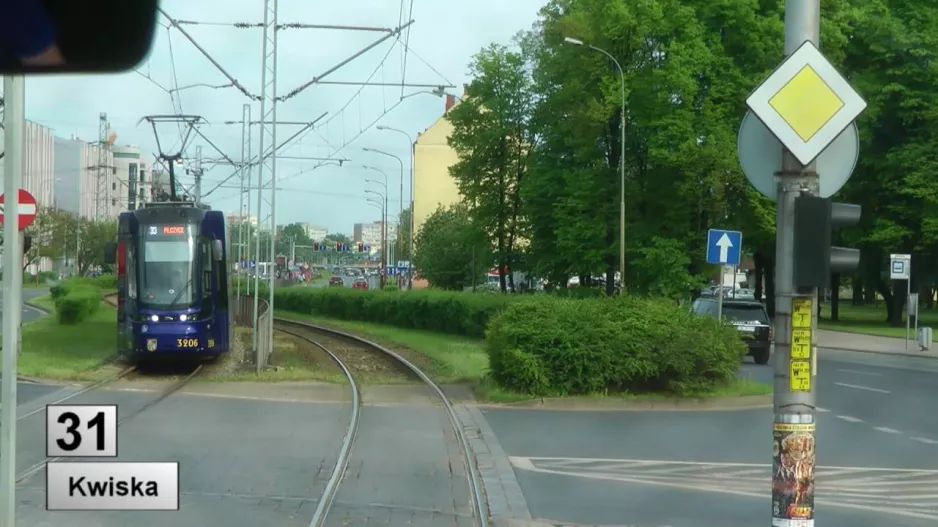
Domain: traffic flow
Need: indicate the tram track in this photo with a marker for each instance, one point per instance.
(315, 335)
(161, 395)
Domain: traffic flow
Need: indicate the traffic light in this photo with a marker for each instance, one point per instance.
(316, 246)
(814, 257)
(361, 247)
(338, 247)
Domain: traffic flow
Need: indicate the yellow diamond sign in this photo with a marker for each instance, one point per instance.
(806, 103)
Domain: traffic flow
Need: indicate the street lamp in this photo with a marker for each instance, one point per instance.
(401, 163)
(576, 42)
(410, 251)
(384, 229)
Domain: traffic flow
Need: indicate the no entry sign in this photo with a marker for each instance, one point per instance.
(26, 209)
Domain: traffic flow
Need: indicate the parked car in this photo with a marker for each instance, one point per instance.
(361, 283)
(750, 319)
(336, 281)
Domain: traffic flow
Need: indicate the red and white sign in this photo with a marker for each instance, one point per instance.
(26, 209)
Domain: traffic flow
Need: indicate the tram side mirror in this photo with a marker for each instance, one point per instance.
(110, 253)
(218, 250)
(75, 36)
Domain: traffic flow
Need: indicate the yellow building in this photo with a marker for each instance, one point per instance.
(433, 185)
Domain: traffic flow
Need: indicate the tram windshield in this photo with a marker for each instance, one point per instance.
(168, 267)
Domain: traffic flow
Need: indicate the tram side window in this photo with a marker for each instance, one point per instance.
(131, 272)
(206, 258)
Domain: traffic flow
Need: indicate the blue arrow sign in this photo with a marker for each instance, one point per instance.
(724, 247)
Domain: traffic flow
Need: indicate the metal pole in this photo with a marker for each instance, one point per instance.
(410, 252)
(621, 183)
(14, 122)
(241, 238)
(794, 402)
(198, 174)
(246, 147)
(720, 296)
(273, 170)
(908, 310)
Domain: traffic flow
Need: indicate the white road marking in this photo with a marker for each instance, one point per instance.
(705, 483)
(858, 387)
(925, 440)
(858, 372)
(887, 430)
(849, 419)
(822, 410)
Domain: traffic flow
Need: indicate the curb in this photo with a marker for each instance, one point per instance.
(38, 308)
(919, 355)
(749, 402)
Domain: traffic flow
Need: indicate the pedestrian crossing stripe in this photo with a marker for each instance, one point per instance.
(903, 492)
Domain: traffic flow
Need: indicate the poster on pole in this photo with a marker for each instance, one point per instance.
(793, 461)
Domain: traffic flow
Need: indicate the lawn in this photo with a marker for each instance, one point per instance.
(55, 351)
(870, 320)
(455, 359)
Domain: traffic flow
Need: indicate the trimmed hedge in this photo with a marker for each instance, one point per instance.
(440, 311)
(79, 302)
(560, 346)
(105, 282)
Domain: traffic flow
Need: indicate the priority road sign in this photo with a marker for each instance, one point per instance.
(26, 209)
(724, 247)
(806, 103)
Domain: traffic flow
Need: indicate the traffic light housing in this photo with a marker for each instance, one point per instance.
(316, 246)
(338, 247)
(361, 247)
(814, 256)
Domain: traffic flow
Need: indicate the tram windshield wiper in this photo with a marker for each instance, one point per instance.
(179, 294)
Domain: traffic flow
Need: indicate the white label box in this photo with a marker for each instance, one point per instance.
(81, 430)
(112, 486)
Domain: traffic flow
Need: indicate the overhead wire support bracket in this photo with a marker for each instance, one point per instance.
(255, 160)
(386, 84)
(299, 25)
(396, 32)
(174, 23)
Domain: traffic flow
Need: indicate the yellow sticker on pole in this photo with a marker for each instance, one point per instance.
(800, 343)
(800, 373)
(801, 311)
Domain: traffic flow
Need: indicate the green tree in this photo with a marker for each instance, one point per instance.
(494, 140)
(402, 241)
(451, 250)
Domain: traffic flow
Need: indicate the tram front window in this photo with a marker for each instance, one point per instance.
(167, 276)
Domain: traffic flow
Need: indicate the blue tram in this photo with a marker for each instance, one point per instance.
(174, 297)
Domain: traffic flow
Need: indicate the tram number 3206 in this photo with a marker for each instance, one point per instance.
(187, 343)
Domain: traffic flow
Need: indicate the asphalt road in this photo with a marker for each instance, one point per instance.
(877, 455)
(241, 461)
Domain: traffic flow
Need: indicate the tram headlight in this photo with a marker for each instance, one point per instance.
(183, 317)
(154, 318)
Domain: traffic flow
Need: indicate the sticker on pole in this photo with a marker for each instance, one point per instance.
(26, 209)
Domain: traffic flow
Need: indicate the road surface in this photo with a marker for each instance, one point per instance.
(877, 455)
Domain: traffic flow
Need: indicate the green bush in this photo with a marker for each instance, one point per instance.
(77, 304)
(440, 311)
(558, 346)
(103, 283)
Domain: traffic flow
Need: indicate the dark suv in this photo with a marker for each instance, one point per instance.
(750, 319)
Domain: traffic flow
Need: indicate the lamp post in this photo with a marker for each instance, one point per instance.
(576, 42)
(410, 241)
(401, 163)
(384, 229)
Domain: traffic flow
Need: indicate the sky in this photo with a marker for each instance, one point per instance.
(441, 42)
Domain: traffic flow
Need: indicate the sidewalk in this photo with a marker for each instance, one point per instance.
(870, 344)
